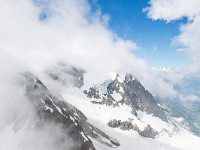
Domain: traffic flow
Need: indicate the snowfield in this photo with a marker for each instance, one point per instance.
(100, 115)
(172, 135)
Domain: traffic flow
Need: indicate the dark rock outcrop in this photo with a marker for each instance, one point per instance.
(139, 98)
(133, 94)
(72, 121)
(67, 74)
(92, 93)
(148, 132)
(124, 125)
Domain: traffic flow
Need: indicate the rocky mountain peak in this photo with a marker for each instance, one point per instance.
(128, 91)
(71, 121)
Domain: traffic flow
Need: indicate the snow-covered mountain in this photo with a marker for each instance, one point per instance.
(71, 112)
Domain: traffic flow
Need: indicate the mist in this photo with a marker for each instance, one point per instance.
(73, 34)
(36, 35)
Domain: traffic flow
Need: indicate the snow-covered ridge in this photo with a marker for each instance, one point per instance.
(100, 115)
(117, 113)
(101, 112)
(128, 91)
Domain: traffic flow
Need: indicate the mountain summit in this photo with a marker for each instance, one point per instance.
(71, 114)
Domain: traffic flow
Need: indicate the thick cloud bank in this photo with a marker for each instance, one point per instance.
(189, 39)
(37, 34)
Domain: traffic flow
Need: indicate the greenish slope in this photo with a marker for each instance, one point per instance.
(190, 111)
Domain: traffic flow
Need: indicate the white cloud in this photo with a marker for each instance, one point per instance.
(67, 34)
(71, 33)
(173, 9)
(189, 39)
(155, 48)
(189, 97)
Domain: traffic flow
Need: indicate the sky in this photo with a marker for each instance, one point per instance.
(130, 20)
(153, 38)
(103, 37)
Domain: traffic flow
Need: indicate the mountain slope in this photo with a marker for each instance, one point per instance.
(118, 113)
(130, 92)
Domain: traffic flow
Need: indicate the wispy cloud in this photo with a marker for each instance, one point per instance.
(155, 48)
(189, 39)
(73, 34)
(37, 34)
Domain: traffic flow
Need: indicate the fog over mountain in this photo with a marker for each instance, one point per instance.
(70, 82)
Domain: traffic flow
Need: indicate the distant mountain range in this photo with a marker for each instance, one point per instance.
(118, 113)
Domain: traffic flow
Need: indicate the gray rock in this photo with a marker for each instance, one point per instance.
(139, 98)
(92, 93)
(71, 120)
(133, 95)
(148, 132)
(124, 125)
(67, 74)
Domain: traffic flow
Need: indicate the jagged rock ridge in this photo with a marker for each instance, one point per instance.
(148, 131)
(129, 92)
(72, 121)
(66, 74)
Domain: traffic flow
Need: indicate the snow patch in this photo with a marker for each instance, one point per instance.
(121, 89)
(48, 108)
(121, 78)
(179, 119)
(58, 108)
(100, 115)
(155, 122)
(85, 138)
(116, 96)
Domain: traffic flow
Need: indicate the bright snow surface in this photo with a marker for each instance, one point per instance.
(99, 115)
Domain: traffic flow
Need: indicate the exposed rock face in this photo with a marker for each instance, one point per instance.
(73, 122)
(92, 93)
(148, 132)
(139, 98)
(67, 74)
(132, 94)
(124, 125)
